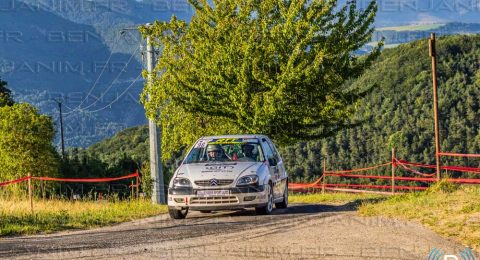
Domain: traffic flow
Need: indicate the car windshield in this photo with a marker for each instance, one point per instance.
(226, 150)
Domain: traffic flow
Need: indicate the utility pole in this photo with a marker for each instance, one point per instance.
(61, 128)
(433, 55)
(60, 118)
(155, 137)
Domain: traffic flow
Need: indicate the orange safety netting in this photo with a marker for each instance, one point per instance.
(403, 165)
(443, 167)
(376, 186)
(459, 155)
(88, 180)
(14, 181)
(361, 169)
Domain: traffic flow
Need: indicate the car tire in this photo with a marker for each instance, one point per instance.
(283, 204)
(177, 213)
(205, 211)
(268, 208)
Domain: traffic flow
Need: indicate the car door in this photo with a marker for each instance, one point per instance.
(281, 172)
(272, 165)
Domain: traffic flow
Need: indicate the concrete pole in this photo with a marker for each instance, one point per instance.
(61, 129)
(155, 138)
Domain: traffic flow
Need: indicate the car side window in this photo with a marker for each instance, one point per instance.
(274, 150)
(268, 150)
(261, 153)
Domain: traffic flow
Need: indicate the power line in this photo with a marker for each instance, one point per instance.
(113, 82)
(95, 83)
(116, 99)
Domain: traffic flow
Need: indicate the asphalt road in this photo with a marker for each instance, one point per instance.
(299, 232)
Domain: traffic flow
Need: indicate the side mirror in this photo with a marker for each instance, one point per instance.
(272, 161)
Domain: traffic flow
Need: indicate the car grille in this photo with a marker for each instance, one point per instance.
(214, 200)
(207, 183)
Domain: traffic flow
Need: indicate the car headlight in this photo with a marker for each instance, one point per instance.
(181, 182)
(247, 180)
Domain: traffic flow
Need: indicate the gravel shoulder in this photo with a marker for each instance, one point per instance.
(299, 232)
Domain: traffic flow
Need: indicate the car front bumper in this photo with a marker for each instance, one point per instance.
(238, 198)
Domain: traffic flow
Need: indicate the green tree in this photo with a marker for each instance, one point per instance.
(5, 94)
(26, 143)
(276, 67)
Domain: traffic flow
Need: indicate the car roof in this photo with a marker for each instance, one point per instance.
(246, 136)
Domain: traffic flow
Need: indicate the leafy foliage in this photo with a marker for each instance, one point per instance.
(273, 67)
(26, 143)
(5, 94)
(119, 155)
(131, 143)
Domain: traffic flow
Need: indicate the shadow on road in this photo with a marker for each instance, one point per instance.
(295, 209)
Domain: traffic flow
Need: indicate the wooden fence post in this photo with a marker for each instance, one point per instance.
(131, 195)
(138, 186)
(393, 170)
(30, 192)
(324, 177)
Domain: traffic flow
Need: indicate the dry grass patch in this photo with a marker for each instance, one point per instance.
(334, 198)
(452, 211)
(55, 215)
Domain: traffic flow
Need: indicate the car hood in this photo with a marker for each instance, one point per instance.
(206, 171)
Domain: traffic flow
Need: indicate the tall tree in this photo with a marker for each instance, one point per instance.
(26, 143)
(276, 67)
(5, 94)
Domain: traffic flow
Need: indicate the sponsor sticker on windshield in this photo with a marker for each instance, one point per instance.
(232, 141)
(227, 141)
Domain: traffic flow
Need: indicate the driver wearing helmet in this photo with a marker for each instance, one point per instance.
(215, 152)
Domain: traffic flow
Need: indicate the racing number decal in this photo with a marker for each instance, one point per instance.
(201, 144)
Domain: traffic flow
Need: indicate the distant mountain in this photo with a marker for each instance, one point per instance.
(43, 51)
(407, 12)
(60, 49)
(108, 18)
(404, 34)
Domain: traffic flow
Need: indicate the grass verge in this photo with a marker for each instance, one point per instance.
(451, 211)
(55, 215)
(335, 198)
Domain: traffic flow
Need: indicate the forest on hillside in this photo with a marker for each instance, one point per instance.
(397, 113)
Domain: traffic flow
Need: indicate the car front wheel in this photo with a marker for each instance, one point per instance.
(177, 213)
(268, 208)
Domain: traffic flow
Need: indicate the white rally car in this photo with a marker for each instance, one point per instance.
(229, 172)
